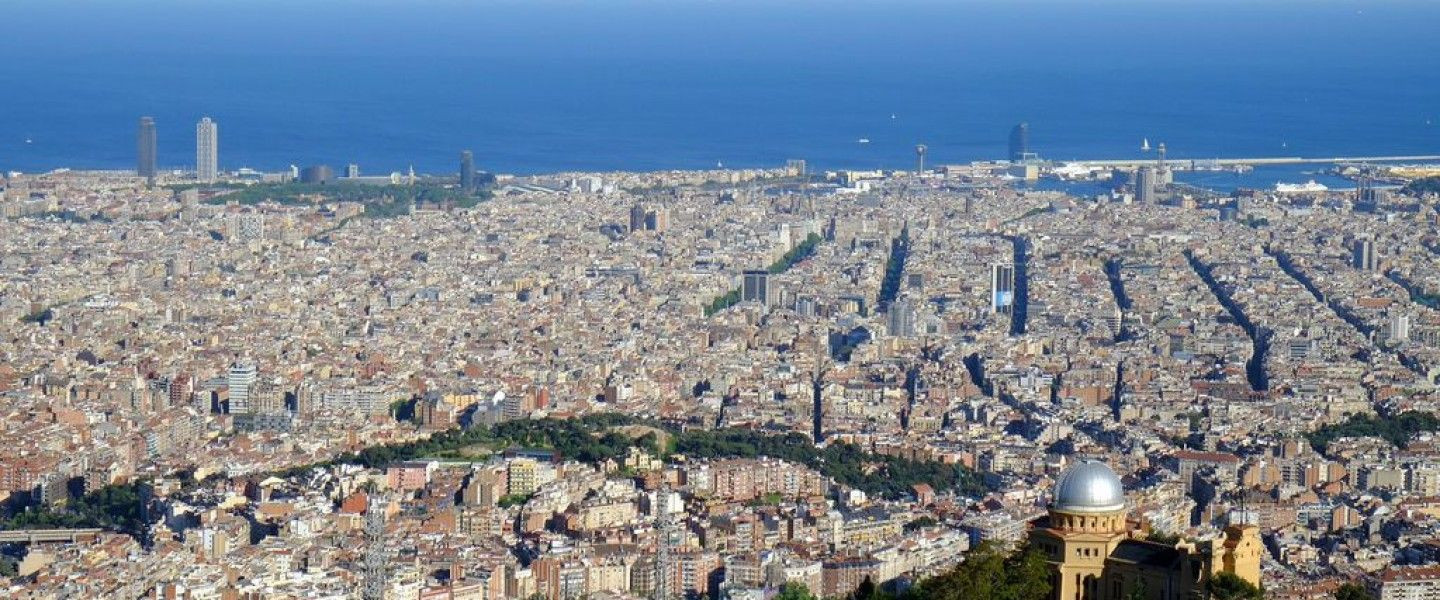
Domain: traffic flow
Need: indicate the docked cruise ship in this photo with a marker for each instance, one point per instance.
(1300, 188)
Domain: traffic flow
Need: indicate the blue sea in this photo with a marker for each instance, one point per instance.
(535, 86)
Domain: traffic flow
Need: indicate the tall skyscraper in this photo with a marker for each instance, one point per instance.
(756, 287)
(1002, 288)
(145, 149)
(1145, 185)
(1019, 142)
(637, 217)
(1400, 328)
(207, 150)
(241, 381)
(467, 170)
(1363, 256)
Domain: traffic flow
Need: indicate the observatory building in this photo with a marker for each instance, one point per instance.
(1096, 554)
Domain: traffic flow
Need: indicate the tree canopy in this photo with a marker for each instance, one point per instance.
(989, 573)
(800, 252)
(113, 507)
(1397, 430)
(380, 200)
(1353, 591)
(848, 464)
(591, 439)
(794, 590)
(1229, 586)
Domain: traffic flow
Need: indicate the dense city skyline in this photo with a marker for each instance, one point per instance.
(641, 300)
(980, 340)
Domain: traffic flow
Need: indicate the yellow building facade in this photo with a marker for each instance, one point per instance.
(1095, 554)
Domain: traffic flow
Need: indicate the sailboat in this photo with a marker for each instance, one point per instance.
(1145, 145)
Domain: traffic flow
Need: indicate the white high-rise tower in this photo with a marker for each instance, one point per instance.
(241, 382)
(207, 150)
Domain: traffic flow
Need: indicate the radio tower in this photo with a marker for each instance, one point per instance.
(375, 561)
(920, 151)
(665, 528)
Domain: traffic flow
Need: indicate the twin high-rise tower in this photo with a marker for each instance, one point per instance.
(207, 150)
(145, 149)
(467, 171)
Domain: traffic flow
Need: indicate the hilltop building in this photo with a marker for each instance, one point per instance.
(1094, 552)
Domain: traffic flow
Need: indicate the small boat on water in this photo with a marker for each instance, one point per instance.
(863, 141)
(1145, 145)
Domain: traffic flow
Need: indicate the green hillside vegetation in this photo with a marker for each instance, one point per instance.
(988, 573)
(850, 465)
(592, 439)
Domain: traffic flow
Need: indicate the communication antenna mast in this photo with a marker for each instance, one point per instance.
(920, 151)
(376, 561)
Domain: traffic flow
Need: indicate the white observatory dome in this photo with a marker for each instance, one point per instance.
(1088, 487)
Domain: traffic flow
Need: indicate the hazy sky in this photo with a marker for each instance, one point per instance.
(794, 30)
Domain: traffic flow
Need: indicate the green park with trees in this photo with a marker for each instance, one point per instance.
(594, 439)
(113, 507)
(381, 201)
(1397, 429)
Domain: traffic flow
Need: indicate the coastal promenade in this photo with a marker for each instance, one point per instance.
(1205, 163)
